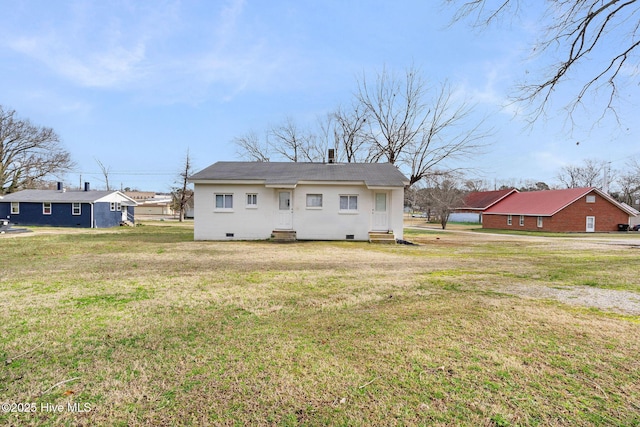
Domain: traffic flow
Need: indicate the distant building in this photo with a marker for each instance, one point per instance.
(475, 203)
(61, 208)
(571, 210)
(150, 203)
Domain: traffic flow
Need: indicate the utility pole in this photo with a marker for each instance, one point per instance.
(605, 180)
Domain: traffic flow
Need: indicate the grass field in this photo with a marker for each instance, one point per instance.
(143, 326)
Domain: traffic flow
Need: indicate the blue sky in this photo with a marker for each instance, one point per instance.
(134, 84)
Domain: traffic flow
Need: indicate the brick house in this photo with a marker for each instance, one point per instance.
(571, 210)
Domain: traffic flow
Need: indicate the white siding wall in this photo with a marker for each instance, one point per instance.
(245, 223)
(396, 219)
(329, 223)
(325, 223)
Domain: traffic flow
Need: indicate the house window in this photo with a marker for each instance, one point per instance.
(509, 220)
(521, 220)
(349, 203)
(539, 222)
(112, 206)
(46, 208)
(76, 208)
(591, 198)
(252, 200)
(314, 200)
(15, 208)
(224, 201)
(118, 207)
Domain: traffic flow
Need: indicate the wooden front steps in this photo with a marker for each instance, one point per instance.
(283, 236)
(382, 237)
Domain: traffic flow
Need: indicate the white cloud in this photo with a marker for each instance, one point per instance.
(160, 52)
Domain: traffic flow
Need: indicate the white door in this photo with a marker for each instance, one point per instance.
(124, 213)
(285, 211)
(591, 224)
(380, 220)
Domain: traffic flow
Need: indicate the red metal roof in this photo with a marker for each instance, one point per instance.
(543, 203)
(481, 200)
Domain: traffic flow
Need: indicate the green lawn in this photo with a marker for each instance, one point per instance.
(144, 326)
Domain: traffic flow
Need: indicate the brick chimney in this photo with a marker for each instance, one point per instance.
(332, 155)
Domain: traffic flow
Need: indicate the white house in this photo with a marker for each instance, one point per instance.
(311, 201)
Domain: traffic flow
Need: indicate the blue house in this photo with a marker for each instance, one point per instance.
(61, 208)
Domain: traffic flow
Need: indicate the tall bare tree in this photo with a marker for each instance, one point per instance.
(443, 194)
(397, 112)
(629, 183)
(292, 143)
(250, 147)
(105, 172)
(393, 119)
(350, 139)
(286, 141)
(417, 126)
(28, 153)
(589, 174)
(603, 35)
(182, 195)
(446, 135)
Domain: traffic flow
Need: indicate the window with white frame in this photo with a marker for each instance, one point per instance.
(509, 220)
(46, 208)
(112, 206)
(252, 200)
(224, 201)
(591, 198)
(15, 208)
(521, 220)
(349, 203)
(76, 208)
(314, 200)
(539, 222)
(118, 206)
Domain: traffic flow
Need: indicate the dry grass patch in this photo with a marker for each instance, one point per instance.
(155, 329)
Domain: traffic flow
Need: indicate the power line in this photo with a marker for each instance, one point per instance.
(128, 173)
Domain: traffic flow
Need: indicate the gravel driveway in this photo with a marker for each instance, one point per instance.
(618, 301)
(623, 302)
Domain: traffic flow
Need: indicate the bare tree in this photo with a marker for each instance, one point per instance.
(629, 183)
(105, 172)
(294, 144)
(182, 194)
(397, 113)
(475, 185)
(286, 141)
(445, 136)
(530, 185)
(395, 120)
(407, 129)
(349, 134)
(579, 32)
(589, 174)
(444, 195)
(251, 148)
(28, 153)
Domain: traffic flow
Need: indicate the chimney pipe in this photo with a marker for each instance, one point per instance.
(332, 155)
(86, 186)
(59, 186)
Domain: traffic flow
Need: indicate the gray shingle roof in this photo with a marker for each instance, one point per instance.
(55, 196)
(290, 173)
